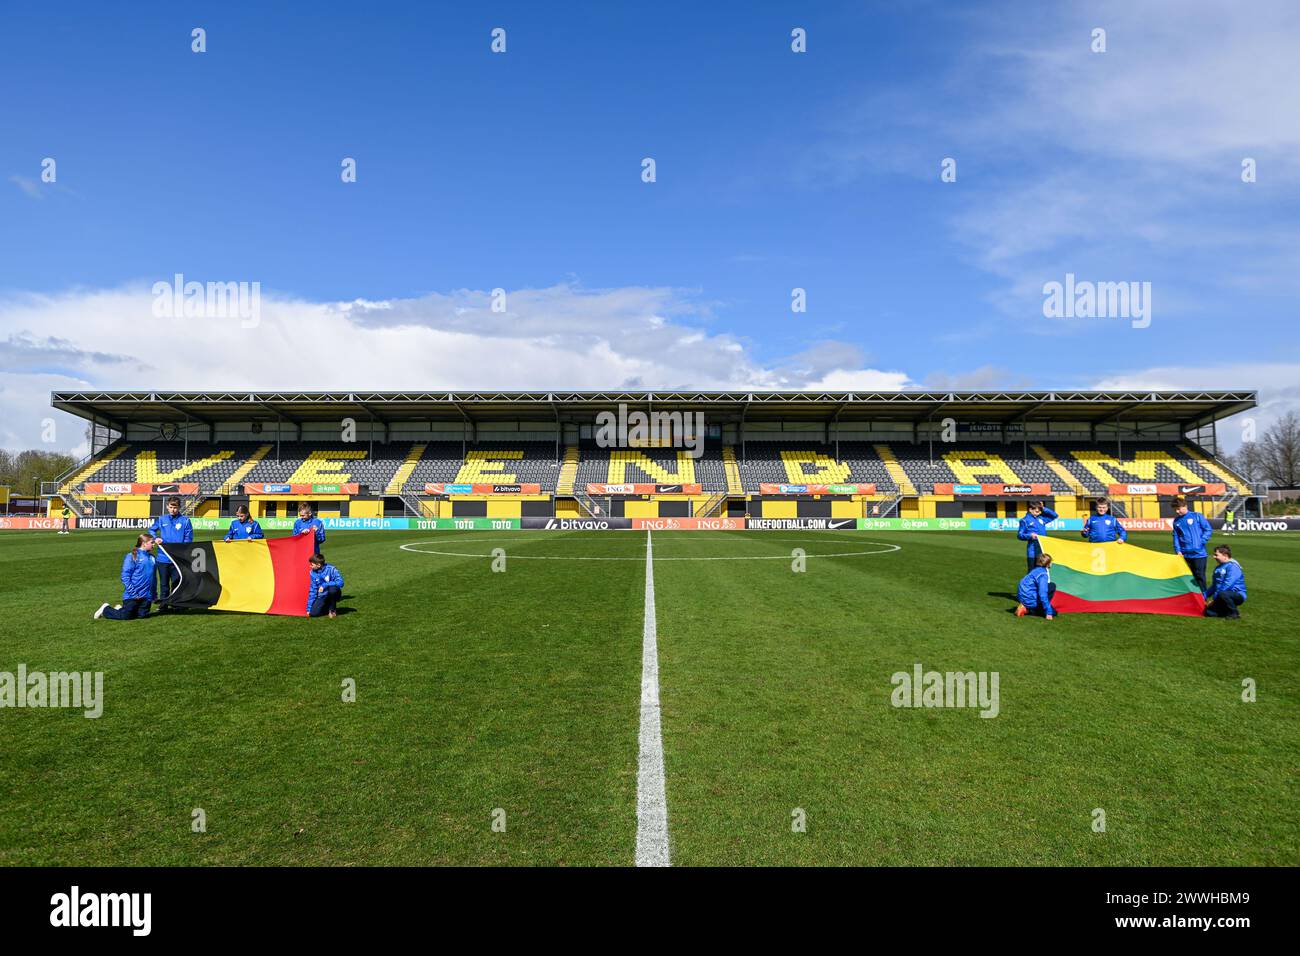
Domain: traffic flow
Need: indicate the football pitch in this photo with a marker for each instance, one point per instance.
(498, 713)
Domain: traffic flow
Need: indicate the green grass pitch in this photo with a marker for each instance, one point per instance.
(519, 691)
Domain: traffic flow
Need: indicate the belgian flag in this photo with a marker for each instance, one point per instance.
(267, 576)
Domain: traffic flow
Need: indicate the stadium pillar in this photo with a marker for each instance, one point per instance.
(187, 439)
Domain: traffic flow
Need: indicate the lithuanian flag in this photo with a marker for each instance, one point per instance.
(1120, 578)
(267, 576)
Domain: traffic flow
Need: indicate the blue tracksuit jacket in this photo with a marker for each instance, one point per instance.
(1105, 527)
(327, 577)
(239, 531)
(1032, 592)
(137, 576)
(171, 530)
(1030, 525)
(1191, 534)
(1228, 577)
(300, 526)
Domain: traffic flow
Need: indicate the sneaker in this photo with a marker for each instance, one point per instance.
(333, 615)
(100, 613)
(1021, 610)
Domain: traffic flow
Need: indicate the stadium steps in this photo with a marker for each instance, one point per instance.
(397, 483)
(712, 505)
(90, 468)
(242, 471)
(1059, 470)
(1212, 465)
(734, 484)
(568, 471)
(905, 486)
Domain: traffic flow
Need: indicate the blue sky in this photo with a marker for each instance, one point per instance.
(775, 170)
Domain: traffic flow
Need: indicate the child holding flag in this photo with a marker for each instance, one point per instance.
(243, 527)
(1031, 526)
(1228, 589)
(137, 583)
(1036, 590)
(326, 588)
(1192, 533)
(170, 528)
(1103, 526)
(308, 522)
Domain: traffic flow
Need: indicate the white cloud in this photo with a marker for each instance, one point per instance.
(1116, 166)
(29, 186)
(1278, 385)
(562, 337)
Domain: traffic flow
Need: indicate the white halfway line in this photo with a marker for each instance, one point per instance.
(651, 804)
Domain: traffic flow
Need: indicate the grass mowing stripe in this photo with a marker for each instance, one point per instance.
(651, 802)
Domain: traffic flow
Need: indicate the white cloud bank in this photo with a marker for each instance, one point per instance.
(563, 337)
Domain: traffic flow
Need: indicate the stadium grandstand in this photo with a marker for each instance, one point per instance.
(907, 454)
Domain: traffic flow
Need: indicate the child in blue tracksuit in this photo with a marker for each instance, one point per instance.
(1228, 589)
(169, 528)
(137, 583)
(1103, 526)
(326, 587)
(1037, 590)
(1192, 533)
(306, 521)
(1032, 526)
(243, 527)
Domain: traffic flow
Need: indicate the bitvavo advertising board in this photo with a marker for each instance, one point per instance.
(373, 524)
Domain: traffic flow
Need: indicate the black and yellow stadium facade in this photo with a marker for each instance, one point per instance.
(397, 442)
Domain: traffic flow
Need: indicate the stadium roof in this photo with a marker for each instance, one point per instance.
(1188, 407)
